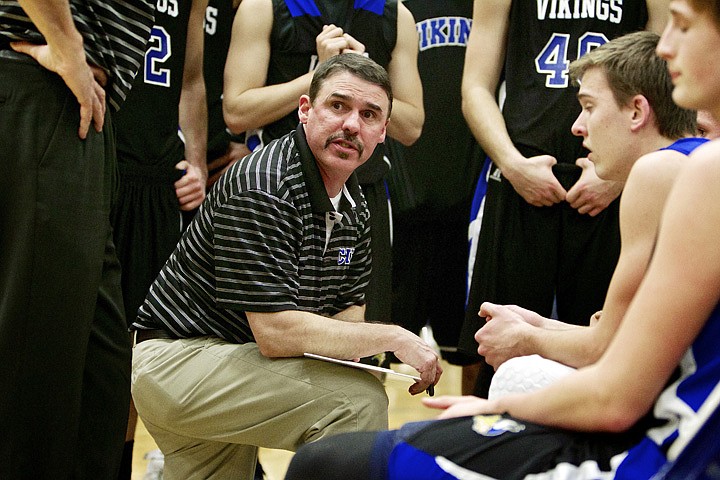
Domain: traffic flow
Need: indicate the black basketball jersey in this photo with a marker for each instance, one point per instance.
(219, 16)
(446, 159)
(298, 22)
(544, 37)
(147, 123)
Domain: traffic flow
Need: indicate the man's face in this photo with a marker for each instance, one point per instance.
(347, 121)
(605, 127)
(690, 44)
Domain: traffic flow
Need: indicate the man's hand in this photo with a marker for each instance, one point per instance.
(220, 165)
(534, 180)
(422, 358)
(334, 41)
(85, 82)
(591, 194)
(190, 189)
(460, 406)
(504, 336)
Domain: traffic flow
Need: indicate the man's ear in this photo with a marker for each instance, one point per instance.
(304, 108)
(642, 112)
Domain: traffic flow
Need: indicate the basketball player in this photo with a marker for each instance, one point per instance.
(162, 176)
(549, 233)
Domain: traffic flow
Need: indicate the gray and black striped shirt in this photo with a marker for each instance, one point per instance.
(115, 34)
(258, 244)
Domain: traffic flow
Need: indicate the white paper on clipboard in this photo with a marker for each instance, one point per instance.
(391, 373)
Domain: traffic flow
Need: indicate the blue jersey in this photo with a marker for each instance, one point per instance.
(686, 145)
(678, 406)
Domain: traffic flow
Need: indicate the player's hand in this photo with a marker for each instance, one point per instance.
(332, 40)
(533, 318)
(533, 179)
(84, 81)
(591, 194)
(460, 406)
(190, 189)
(504, 335)
(353, 45)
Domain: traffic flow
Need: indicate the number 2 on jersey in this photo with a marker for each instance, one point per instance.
(159, 51)
(553, 61)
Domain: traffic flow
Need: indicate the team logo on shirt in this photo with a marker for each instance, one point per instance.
(345, 256)
(494, 425)
(443, 32)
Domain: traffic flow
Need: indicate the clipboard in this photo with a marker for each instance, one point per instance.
(363, 366)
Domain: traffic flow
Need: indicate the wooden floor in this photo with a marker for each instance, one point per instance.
(403, 408)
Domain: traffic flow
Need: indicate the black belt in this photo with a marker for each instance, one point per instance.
(142, 335)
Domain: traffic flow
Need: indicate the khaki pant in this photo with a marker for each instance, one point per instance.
(210, 404)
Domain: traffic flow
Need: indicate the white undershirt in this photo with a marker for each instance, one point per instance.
(331, 218)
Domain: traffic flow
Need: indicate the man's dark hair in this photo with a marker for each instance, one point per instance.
(356, 64)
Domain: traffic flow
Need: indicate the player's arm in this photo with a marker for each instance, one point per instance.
(532, 177)
(484, 59)
(668, 312)
(658, 11)
(190, 189)
(508, 333)
(672, 304)
(641, 207)
(247, 103)
(642, 204)
(408, 112)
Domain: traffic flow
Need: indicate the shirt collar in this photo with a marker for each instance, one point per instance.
(319, 200)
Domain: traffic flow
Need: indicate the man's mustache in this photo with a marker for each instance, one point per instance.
(351, 139)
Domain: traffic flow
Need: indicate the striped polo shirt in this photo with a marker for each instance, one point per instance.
(258, 244)
(115, 34)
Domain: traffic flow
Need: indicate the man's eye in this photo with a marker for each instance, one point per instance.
(369, 114)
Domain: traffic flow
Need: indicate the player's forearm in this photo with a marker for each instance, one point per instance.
(487, 124)
(255, 108)
(581, 401)
(575, 347)
(193, 123)
(196, 140)
(193, 111)
(406, 122)
(552, 324)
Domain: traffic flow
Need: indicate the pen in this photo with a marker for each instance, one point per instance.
(431, 390)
